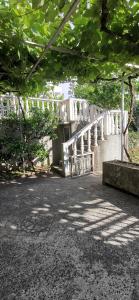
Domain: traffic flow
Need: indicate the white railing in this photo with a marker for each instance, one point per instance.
(108, 123)
(68, 110)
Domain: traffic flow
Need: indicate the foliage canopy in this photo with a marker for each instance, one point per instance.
(99, 40)
(102, 94)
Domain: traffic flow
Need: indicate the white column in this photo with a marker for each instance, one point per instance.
(70, 110)
(109, 123)
(66, 112)
(116, 123)
(48, 105)
(75, 110)
(106, 124)
(32, 103)
(102, 129)
(27, 107)
(95, 135)
(66, 166)
(22, 103)
(38, 103)
(80, 110)
(85, 112)
(75, 149)
(43, 108)
(14, 103)
(82, 145)
(62, 111)
(89, 140)
(112, 123)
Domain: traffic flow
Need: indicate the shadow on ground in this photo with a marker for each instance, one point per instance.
(66, 239)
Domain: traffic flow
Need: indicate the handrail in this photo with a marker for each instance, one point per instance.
(83, 130)
(44, 99)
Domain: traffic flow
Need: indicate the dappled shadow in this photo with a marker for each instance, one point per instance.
(75, 220)
(108, 214)
(21, 178)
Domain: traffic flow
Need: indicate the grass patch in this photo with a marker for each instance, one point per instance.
(134, 153)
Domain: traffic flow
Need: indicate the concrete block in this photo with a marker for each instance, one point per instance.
(122, 175)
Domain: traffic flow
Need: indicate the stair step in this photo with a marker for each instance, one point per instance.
(58, 169)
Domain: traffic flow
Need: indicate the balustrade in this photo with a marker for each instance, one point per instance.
(67, 111)
(82, 144)
(71, 110)
(116, 124)
(89, 140)
(75, 149)
(108, 122)
(102, 130)
(95, 135)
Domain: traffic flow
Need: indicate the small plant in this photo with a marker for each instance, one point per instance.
(133, 138)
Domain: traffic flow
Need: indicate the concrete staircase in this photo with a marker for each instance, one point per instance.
(87, 135)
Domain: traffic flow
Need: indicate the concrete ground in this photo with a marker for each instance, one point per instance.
(68, 239)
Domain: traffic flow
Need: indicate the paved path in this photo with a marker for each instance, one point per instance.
(68, 239)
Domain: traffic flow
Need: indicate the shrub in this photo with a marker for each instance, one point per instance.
(21, 138)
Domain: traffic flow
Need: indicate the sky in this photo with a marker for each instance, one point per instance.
(63, 88)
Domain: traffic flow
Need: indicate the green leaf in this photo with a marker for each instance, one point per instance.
(37, 3)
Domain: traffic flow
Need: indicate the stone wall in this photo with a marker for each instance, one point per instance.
(122, 175)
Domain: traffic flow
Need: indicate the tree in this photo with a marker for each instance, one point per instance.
(97, 42)
(102, 94)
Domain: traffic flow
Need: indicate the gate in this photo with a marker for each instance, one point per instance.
(81, 164)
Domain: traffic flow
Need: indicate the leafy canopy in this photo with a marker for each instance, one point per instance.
(102, 94)
(101, 38)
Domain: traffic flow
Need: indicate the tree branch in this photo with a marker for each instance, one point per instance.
(112, 79)
(132, 94)
(61, 50)
(127, 154)
(55, 35)
(104, 25)
(105, 79)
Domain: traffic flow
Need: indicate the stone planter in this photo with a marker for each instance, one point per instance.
(122, 175)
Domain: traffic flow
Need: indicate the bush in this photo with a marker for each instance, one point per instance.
(21, 138)
(133, 139)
